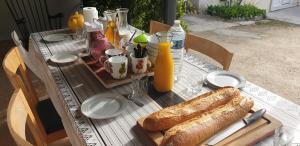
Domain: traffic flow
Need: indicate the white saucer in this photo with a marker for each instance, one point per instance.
(104, 106)
(56, 37)
(224, 78)
(63, 58)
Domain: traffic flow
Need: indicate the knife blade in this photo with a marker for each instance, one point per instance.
(235, 127)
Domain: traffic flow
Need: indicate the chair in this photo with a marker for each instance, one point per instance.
(204, 46)
(44, 122)
(16, 118)
(209, 48)
(27, 56)
(156, 26)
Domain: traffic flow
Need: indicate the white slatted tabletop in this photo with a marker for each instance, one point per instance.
(69, 85)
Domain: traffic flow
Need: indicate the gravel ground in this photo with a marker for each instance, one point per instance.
(266, 53)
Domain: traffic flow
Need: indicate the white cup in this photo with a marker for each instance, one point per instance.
(116, 66)
(139, 65)
(113, 52)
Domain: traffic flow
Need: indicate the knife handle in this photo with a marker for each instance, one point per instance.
(255, 116)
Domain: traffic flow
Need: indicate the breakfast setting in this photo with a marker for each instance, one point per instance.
(110, 83)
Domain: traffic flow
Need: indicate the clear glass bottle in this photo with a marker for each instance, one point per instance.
(164, 68)
(123, 27)
(111, 27)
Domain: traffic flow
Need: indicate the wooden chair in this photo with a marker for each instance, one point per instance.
(204, 46)
(43, 120)
(156, 26)
(210, 49)
(16, 118)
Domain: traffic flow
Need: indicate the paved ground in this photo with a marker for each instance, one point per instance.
(291, 15)
(266, 53)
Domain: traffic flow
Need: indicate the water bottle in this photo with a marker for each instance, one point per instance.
(178, 37)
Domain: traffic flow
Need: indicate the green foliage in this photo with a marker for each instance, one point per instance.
(140, 11)
(236, 11)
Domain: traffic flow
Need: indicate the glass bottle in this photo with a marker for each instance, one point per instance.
(110, 29)
(164, 68)
(123, 27)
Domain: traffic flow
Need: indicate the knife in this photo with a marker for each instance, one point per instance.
(235, 127)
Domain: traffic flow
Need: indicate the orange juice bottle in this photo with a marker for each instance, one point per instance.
(164, 68)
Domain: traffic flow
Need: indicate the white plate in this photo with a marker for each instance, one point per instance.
(63, 58)
(223, 78)
(104, 106)
(56, 37)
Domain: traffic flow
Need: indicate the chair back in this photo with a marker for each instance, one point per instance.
(204, 46)
(210, 49)
(16, 72)
(16, 118)
(16, 39)
(156, 26)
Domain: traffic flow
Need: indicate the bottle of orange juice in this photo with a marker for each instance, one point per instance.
(164, 68)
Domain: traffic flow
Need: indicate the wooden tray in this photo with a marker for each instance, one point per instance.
(105, 78)
(249, 135)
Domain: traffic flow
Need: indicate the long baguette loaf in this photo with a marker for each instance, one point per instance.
(173, 115)
(199, 129)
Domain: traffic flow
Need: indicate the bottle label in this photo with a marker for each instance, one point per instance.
(178, 44)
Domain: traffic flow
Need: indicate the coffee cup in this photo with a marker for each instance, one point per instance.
(116, 66)
(113, 52)
(139, 65)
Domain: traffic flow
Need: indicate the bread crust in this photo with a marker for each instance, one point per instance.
(197, 130)
(173, 115)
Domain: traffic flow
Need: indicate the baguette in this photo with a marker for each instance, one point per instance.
(197, 130)
(173, 115)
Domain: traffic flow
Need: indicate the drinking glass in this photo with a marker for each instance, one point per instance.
(196, 83)
(139, 85)
(286, 136)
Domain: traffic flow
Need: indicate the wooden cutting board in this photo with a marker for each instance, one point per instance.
(249, 135)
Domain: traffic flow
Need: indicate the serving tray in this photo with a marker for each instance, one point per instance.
(249, 135)
(105, 78)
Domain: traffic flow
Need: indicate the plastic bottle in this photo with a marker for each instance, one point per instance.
(178, 38)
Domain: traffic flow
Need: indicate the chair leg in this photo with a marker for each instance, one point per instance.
(39, 140)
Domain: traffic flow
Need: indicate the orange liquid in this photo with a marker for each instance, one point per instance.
(164, 68)
(110, 31)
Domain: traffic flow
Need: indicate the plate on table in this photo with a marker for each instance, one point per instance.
(56, 37)
(63, 58)
(104, 106)
(220, 79)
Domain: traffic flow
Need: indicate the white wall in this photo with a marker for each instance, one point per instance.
(7, 23)
(201, 5)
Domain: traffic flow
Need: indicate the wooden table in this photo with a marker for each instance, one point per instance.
(69, 85)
